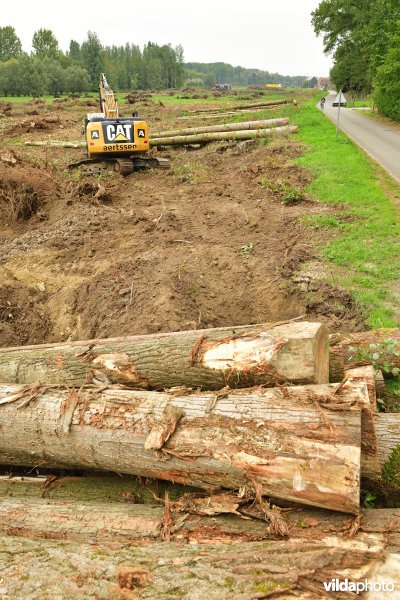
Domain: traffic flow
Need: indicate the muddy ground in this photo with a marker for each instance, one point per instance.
(204, 244)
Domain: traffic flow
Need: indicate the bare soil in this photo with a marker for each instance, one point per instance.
(205, 244)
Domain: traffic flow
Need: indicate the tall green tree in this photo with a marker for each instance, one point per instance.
(387, 82)
(45, 44)
(91, 52)
(10, 44)
(75, 51)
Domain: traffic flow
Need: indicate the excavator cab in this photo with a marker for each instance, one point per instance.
(120, 142)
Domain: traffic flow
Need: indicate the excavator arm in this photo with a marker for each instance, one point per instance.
(108, 103)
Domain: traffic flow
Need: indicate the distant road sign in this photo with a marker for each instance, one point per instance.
(340, 100)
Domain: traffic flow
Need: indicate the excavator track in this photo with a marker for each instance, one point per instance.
(123, 166)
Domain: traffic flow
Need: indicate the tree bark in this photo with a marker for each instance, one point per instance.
(370, 465)
(342, 356)
(300, 444)
(388, 433)
(56, 144)
(47, 569)
(247, 125)
(95, 487)
(206, 359)
(225, 114)
(204, 138)
(243, 106)
(93, 521)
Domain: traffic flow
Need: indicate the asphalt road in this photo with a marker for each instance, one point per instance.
(378, 140)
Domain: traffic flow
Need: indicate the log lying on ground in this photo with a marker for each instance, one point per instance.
(55, 144)
(243, 106)
(300, 444)
(346, 350)
(370, 466)
(192, 519)
(94, 487)
(219, 115)
(205, 138)
(38, 569)
(207, 359)
(247, 125)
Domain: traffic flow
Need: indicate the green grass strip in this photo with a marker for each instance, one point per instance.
(367, 246)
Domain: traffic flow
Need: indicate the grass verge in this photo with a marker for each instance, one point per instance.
(366, 249)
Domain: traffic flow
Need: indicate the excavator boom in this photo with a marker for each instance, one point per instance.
(108, 103)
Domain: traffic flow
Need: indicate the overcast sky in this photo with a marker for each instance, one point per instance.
(275, 35)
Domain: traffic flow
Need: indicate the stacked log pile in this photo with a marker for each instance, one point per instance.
(209, 431)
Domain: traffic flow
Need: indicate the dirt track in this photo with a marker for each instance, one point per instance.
(202, 245)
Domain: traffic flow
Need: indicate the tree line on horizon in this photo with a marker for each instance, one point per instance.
(49, 70)
(363, 37)
(208, 74)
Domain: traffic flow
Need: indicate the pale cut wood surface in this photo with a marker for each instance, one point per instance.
(206, 359)
(301, 443)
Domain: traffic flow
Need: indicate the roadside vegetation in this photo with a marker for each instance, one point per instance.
(365, 247)
(364, 41)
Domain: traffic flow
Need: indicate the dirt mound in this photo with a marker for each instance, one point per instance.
(216, 240)
(24, 192)
(134, 97)
(23, 316)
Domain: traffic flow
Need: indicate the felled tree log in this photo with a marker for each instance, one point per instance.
(247, 125)
(37, 569)
(55, 144)
(97, 487)
(346, 350)
(300, 444)
(388, 434)
(370, 465)
(207, 359)
(208, 519)
(243, 106)
(204, 138)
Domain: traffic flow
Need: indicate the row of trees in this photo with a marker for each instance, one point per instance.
(209, 74)
(49, 70)
(364, 38)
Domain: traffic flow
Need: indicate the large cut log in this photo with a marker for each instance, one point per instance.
(205, 138)
(300, 444)
(191, 519)
(55, 144)
(348, 350)
(247, 125)
(370, 465)
(243, 106)
(219, 115)
(207, 359)
(93, 487)
(62, 569)
(387, 427)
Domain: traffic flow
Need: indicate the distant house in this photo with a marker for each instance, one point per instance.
(312, 82)
(323, 83)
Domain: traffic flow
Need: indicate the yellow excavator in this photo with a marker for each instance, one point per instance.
(118, 143)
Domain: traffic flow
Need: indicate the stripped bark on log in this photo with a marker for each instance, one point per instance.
(300, 444)
(370, 465)
(247, 125)
(204, 138)
(207, 359)
(124, 522)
